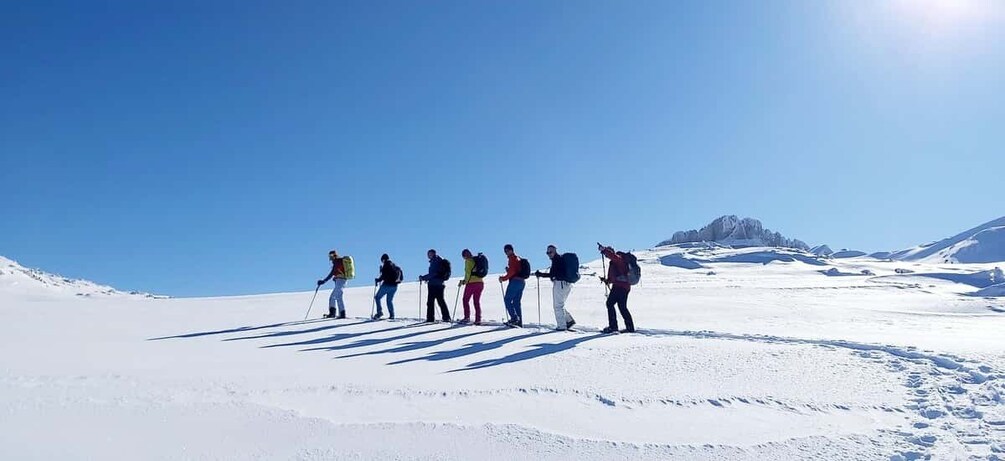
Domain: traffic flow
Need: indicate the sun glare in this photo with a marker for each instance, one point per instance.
(936, 15)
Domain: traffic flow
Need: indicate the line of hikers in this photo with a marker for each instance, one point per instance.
(564, 272)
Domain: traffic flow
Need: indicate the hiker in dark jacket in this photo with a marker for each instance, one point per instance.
(617, 278)
(561, 288)
(390, 277)
(438, 273)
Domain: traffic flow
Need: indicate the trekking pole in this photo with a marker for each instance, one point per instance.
(603, 263)
(420, 317)
(373, 302)
(454, 315)
(539, 301)
(312, 302)
(503, 292)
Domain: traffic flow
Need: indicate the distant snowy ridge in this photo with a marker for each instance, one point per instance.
(733, 231)
(15, 277)
(982, 244)
(822, 250)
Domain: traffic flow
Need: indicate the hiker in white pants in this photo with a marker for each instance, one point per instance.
(336, 305)
(562, 287)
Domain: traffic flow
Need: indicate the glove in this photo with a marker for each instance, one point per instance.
(321, 282)
(537, 274)
(460, 283)
(376, 280)
(502, 279)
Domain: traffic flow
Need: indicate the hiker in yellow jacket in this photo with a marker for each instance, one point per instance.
(473, 285)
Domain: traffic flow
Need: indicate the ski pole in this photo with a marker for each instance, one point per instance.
(312, 302)
(420, 317)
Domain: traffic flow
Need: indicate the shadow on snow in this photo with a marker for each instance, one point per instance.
(538, 351)
(237, 330)
(470, 349)
(414, 346)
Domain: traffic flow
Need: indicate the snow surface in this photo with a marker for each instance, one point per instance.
(15, 278)
(769, 359)
(982, 244)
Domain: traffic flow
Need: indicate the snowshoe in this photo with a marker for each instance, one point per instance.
(609, 331)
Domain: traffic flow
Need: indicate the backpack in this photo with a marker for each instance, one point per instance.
(481, 268)
(571, 262)
(634, 271)
(524, 269)
(348, 267)
(444, 269)
(401, 275)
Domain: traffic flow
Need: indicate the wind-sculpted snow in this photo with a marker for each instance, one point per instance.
(703, 257)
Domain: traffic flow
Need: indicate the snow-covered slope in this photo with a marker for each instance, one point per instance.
(760, 355)
(733, 231)
(16, 278)
(982, 244)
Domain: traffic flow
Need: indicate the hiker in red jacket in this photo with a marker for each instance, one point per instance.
(617, 278)
(517, 275)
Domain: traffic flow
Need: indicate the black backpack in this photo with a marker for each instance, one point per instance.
(571, 262)
(401, 275)
(444, 269)
(634, 271)
(481, 268)
(524, 269)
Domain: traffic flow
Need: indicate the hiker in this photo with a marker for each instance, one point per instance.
(617, 278)
(515, 274)
(439, 272)
(337, 275)
(561, 285)
(473, 284)
(390, 277)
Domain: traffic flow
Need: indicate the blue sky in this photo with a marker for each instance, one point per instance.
(211, 148)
